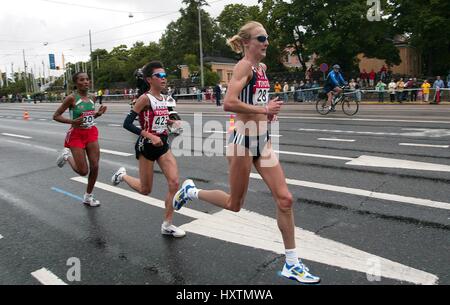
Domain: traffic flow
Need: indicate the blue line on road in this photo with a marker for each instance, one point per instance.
(66, 193)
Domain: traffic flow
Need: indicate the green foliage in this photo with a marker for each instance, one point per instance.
(337, 31)
(13, 87)
(426, 22)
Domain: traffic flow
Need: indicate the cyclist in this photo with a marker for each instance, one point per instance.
(333, 84)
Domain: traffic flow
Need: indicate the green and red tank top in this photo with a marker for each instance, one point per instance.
(85, 108)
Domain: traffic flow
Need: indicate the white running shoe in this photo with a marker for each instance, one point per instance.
(117, 177)
(299, 273)
(172, 230)
(63, 156)
(90, 200)
(181, 197)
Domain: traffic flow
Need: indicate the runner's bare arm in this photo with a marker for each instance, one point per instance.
(58, 115)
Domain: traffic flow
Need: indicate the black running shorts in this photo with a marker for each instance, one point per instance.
(150, 152)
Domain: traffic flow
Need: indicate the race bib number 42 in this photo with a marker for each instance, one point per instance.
(160, 123)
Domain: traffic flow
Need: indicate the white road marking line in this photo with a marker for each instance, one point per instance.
(432, 133)
(136, 196)
(251, 229)
(215, 131)
(335, 140)
(42, 119)
(365, 193)
(31, 145)
(367, 120)
(46, 277)
(261, 232)
(15, 135)
(114, 125)
(1, 236)
(424, 145)
(313, 155)
(225, 132)
(372, 161)
(117, 153)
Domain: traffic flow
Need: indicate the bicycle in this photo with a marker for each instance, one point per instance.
(349, 106)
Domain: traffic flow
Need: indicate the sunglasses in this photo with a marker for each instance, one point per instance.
(262, 38)
(160, 75)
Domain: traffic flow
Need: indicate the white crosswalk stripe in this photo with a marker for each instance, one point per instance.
(46, 277)
(261, 232)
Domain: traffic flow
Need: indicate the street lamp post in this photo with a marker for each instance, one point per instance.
(201, 45)
(92, 62)
(26, 76)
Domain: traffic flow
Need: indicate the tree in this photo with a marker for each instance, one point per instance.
(337, 31)
(426, 22)
(234, 16)
(182, 35)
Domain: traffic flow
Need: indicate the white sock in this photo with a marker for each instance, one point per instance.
(291, 257)
(193, 193)
(166, 224)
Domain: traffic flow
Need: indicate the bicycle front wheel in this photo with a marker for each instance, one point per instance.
(323, 107)
(350, 107)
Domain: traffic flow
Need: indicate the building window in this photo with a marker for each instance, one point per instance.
(229, 75)
(219, 71)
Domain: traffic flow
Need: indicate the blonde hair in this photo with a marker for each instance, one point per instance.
(236, 42)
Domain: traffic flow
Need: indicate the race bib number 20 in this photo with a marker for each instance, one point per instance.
(88, 119)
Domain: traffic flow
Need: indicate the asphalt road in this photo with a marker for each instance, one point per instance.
(371, 192)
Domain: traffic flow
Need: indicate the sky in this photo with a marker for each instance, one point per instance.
(41, 27)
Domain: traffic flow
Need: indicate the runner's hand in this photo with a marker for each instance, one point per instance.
(156, 141)
(101, 110)
(78, 122)
(274, 106)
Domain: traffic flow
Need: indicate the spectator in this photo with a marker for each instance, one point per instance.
(438, 85)
(358, 87)
(301, 93)
(277, 88)
(364, 77)
(360, 83)
(448, 87)
(100, 96)
(315, 93)
(294, 89)
(199, 95)
(352, 85)
(308, 92)
(408, 87)
(391, 88)
(372, 76)
(383, 72)
(426, 91)
(400, 90)
(414, 87)
(218, 94)
(380, 88)
(285, 92)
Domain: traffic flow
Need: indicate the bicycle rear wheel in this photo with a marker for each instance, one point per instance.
(350, 107)
(323, 107)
